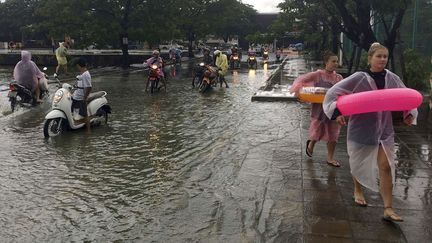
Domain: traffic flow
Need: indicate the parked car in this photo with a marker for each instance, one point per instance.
(169, 45)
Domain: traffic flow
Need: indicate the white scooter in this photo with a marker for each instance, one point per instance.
(61, 117)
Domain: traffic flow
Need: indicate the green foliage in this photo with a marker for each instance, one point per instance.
(363, 60)
(417, 70)
(103, 22)
(16, 18)
(230, 17)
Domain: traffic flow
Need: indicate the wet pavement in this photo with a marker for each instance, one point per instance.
(329, 213)
(188, 167)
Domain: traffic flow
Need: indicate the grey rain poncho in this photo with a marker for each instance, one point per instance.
(366, 131)
(26, 72)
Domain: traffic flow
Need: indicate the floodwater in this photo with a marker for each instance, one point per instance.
(188, 167)
(166, 168)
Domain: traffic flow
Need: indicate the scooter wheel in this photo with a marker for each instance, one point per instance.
(53, 127)
(13, 103)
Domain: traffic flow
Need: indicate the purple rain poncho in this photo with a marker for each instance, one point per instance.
(321, 128)
(26, 72)
(366, 131)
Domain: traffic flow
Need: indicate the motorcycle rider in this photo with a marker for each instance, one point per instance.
(222, 64)
(265, 52)
(83, 87)
(27, 74)
(251, 53)
(278, 54)
(235, 52)
(174, 53)
(207, 59)
(156, 60)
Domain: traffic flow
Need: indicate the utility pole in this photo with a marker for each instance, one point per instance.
(414, 24)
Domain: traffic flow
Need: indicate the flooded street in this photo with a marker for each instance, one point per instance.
(188, 167)
(177, 165)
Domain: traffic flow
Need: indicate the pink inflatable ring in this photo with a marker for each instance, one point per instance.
(397, 99)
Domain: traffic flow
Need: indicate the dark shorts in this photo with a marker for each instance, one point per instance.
(81, 105)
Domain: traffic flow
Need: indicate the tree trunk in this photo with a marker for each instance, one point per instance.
(357, 59)
(125, 52)
(351, 61)
(124, 41)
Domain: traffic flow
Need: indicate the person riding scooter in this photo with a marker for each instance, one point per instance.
(27, 74)
(252, 62)
(207, 59)
(265, 54)
(175, 55)
(83, 88)
(278, 54)
(156, 60)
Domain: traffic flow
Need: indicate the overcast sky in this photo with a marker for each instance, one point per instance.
(264, 6)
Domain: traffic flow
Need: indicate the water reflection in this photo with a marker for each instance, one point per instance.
(251, 73)
(424, 152)
(159, 168)
(235, 78)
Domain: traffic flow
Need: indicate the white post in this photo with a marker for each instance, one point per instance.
(341, 49)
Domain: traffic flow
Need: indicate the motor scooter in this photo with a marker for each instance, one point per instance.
(252, 62)
(210, 78)
(155, 78)
(265, 56)
(234, 61)
(61, 117)
(22, 96)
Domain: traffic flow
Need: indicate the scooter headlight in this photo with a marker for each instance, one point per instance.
(58, 96)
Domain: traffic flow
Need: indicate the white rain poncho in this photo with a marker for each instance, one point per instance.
(366, 131)
(26, 72)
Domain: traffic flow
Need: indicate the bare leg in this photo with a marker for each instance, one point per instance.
(87, 122)
(163, 80)
(331, 147)
(37, 93)
(147, 84)
(57, 69)
(358, 193)
(311, 146)
(386, 184)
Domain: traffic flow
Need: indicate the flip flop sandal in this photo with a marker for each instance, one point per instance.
(390, 218)
(307, 148)
(358, 203)
(333, 164)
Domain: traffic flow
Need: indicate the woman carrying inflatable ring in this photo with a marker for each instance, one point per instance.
(370, 136)
(321, 127)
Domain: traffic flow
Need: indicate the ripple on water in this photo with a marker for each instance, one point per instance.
(161, 158)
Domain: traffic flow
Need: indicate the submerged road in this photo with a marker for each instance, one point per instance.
(188, 167)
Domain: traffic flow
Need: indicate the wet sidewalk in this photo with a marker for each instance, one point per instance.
(324, 193)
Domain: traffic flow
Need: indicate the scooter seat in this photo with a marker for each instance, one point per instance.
(95, 95)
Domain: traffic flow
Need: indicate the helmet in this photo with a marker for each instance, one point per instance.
(155, 52)
(217, 52)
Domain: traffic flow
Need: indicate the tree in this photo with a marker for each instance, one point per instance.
(354, 18)
(108, 22)
(230, 17)
(16, 18)
(192, 20)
